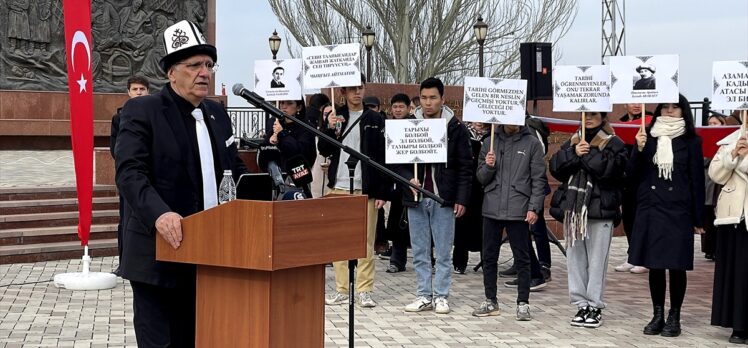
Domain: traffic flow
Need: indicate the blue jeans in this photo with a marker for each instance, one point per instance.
(429, 220)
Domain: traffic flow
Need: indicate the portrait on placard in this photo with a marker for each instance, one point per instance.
(416, 141)
(730, 85)
(490, 100)
(581, 88)
(644, 79)
(332, 66)
(278, 79)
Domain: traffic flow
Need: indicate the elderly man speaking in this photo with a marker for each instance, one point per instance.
(171, 152)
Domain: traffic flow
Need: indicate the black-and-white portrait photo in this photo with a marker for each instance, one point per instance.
(646, 77)
(277, 75)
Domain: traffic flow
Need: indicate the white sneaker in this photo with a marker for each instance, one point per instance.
(365, 300)
(441, 306)
(422, 303)
(639, 270)
(337, 298)
(624, 267)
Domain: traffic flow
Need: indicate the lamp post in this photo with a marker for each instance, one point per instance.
(368, 37)
(275, 42)
(481, 30)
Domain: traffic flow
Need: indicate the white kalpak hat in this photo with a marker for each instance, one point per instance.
(183, 40)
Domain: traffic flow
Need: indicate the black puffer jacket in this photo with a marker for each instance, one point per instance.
(454, 178)
(604, 167)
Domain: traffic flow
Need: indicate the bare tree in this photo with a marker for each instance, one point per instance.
(421, 38)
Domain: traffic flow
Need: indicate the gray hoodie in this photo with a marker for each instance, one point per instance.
(515, 184)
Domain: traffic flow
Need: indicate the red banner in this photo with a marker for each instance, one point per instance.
(627, 132)
(80, 88)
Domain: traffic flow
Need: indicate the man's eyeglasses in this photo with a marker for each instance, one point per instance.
(212, 67)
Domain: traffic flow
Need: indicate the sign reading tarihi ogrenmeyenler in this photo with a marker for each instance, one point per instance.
(581, 88)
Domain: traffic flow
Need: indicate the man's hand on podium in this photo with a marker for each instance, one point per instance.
(169, 226)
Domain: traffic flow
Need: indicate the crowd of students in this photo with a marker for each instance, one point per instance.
(661, 188)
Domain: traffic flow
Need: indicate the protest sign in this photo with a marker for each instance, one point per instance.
(581, 88)
(500, 101)
(644, 79)
(416, 141)
(332, 66)
(278, 79)
(730, 85)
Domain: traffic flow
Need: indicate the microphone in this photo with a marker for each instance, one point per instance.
(255, 99)
(268, 157)
(298, 168)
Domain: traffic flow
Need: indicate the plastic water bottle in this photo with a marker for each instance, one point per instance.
(227, 190)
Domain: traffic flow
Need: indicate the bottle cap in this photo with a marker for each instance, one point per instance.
(227, 172)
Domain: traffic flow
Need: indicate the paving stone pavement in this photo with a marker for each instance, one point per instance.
(40, 315)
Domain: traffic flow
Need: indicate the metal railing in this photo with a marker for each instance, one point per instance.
(698, 109)
(247, 122)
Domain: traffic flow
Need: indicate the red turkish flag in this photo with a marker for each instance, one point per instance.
(80, 87)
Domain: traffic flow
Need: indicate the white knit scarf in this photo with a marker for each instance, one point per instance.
(665, 129)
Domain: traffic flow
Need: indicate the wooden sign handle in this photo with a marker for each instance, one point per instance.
(644, 117)
(493, 129)
(584, 122)
(743, 125)
(416, 197)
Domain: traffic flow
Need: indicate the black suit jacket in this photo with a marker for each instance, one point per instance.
(156, 163)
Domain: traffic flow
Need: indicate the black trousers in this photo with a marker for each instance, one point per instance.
(542, 243)
(519, 236)
(397, 229)
(163, 317)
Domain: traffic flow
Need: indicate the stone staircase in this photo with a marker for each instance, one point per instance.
(40, 224)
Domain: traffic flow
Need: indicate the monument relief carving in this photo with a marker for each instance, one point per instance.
(126, 40)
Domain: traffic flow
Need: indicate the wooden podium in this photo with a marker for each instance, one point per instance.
(261, 267)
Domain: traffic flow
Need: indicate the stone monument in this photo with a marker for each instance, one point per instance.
(127, 40)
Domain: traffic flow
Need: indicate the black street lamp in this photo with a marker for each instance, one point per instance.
(275, 42)
(481, 31)
(368, 38)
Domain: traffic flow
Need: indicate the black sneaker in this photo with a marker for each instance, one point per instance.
(535, 284)
(459, 270)
(510, 272)
(594, 318)
(394, 269)
(545, 270)
(385, 255)
(581, 315)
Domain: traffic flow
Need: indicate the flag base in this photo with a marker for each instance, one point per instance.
(86, 280)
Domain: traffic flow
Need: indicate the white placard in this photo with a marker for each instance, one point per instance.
(581, 88)
(644, 79)
(278, 79)
(730, 85)
(332, 66)
(416, 141)
(500, 101)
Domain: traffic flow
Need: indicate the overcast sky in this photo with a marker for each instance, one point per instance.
(699, 31)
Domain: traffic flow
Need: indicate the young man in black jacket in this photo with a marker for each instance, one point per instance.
(363, 130)
(429, 220)
(136, 86)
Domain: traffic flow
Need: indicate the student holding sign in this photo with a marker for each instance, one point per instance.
(730, 168)
(362, 130)
(668, 167)
(512, 172)
(427, 219)
(590, 167)
(291, 138)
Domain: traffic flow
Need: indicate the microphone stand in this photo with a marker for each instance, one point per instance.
(355, 156)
